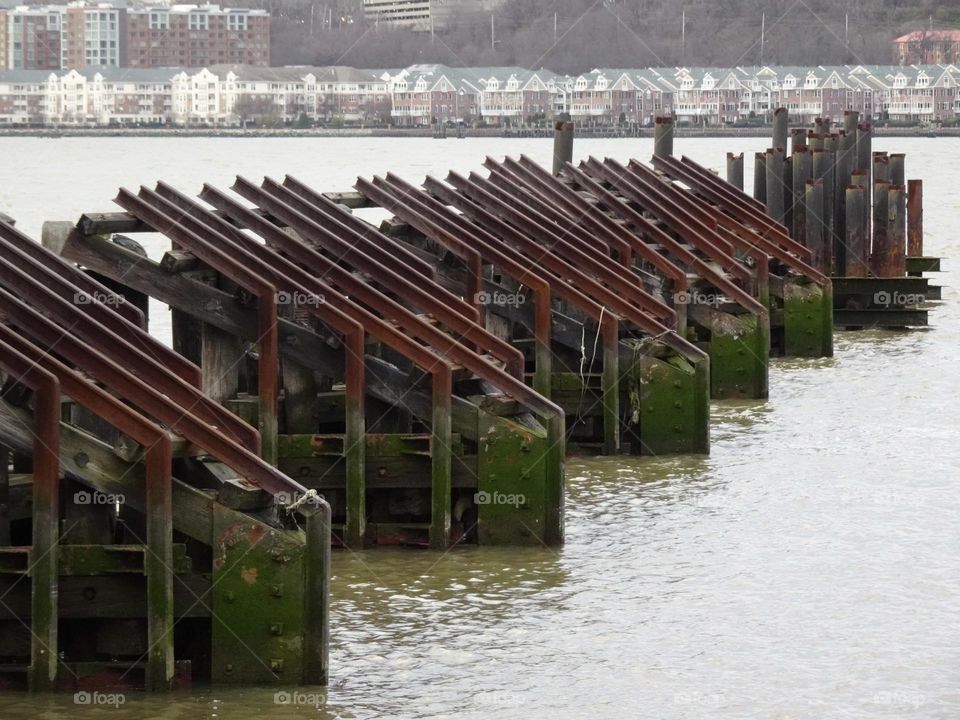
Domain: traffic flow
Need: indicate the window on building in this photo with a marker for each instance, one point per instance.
(159, 21)
(199, 21)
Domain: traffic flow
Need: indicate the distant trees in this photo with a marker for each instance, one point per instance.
(578, 35)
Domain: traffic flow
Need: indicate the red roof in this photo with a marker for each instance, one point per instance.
(918, 35)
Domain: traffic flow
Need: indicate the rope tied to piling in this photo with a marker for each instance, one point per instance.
(309, 497)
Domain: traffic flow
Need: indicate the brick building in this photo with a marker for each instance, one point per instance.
(32, 37)
(927, 47)
(87, 34)
(194, 36)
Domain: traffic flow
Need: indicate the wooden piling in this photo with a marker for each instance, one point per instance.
(823, 167)
(881, 167)
(880, 252)
(735, 170)
(851, 119)
(897, 171)
(663, 136)
(857, 249)
(861, 178)
(864, 146)
(815, 227)
(562, 144)
(897, 230)
(915, 218)
(781, 121)
(798, 139)
(774, 180)
(760, 177)
(814, 141)
(842, 169)
(802, 168)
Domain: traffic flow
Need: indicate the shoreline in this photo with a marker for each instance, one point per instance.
(582, 133)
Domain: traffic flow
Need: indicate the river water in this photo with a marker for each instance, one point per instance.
(809, 568)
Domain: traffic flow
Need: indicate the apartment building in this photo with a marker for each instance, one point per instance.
(423, 15)
(927, 47)
(3, 39)
(32, 37)
(197, 35)
(422, 94)
(87, 34)
(93, 35)
(237, 94)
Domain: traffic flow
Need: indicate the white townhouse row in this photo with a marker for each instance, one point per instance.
(232, 95)
(214, 96)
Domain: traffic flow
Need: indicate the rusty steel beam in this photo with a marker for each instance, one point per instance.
(737, 204)
(151, 369)
(307, 256)
(608, 323)
(438, 367)
(159, 513)
(431, 298)
(612, 288)
(735, 234)
(117, 371)
(762, 242)
(653, 199)
(44, 555)
(530, 220)
(268, 362)
(225, 235)
(510, 177)
(915, 218)
(458, 351)
(74, 275)
(577, 209)
(70, 286)
(645, 226)
(359, 243)
(413, 206)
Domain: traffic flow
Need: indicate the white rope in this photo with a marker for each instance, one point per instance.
(310, 496)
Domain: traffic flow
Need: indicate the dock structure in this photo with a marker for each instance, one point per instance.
(167, 514)
(146, 543)
(860, 218)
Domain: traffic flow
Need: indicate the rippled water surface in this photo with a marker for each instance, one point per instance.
(809, 568)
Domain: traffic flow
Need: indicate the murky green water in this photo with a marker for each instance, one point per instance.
(809, 568)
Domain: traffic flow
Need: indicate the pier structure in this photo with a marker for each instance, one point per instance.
(167, 513)
(145, 542)
(856, 212)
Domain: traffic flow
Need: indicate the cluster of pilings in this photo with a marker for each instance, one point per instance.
(853, 209)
